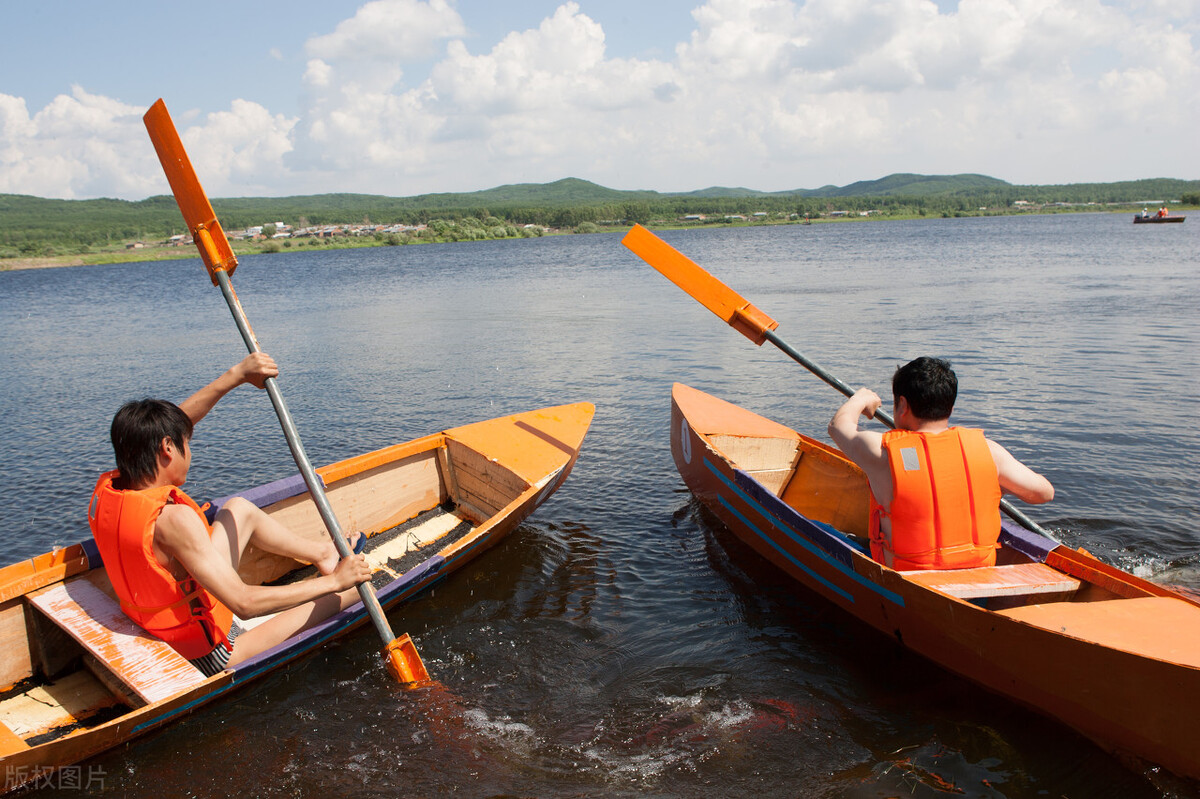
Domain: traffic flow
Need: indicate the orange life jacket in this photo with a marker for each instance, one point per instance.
(945, 509)
(178, 611)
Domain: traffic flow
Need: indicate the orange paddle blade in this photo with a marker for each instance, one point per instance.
(404, 662)
(714, 295)
(193, 202)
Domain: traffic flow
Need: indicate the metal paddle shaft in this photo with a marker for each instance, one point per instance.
(740, 314)
(1006, 506)
(311, 479)
(401, 656)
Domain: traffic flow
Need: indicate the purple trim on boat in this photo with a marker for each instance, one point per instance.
(1027, 542)
(312, 637)
(94, 561)
(266, 494)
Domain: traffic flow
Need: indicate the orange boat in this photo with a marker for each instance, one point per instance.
(1111, 655)
(82, 678)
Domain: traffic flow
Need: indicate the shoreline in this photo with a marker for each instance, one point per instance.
(176, 252)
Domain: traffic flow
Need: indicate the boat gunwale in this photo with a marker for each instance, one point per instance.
(77, 560)
(1153, 731)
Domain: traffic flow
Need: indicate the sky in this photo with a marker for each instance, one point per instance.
(406, 97)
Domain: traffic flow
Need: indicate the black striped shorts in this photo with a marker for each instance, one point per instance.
(215, 661)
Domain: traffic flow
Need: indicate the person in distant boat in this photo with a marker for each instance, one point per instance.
(1162, 212)
(935, 489)
(174, 573)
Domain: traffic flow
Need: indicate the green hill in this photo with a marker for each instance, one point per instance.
(33, 226)
(917, 186)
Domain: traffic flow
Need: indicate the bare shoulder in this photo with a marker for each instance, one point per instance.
(178, 524)
(998, 451)
(867, 445)
(1000, 455)
(865, 448)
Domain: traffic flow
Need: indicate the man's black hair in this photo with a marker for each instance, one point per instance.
(137, 431)
(929, 385)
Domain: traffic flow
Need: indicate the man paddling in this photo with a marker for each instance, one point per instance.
(176, 575)
(935, 489)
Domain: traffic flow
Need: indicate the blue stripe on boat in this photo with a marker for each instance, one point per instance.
(802, 531)
(846, 595)
(828, 538)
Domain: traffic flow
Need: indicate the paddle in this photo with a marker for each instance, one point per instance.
(748, 320)
(400, 654)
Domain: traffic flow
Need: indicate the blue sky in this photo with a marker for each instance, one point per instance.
(404, 97)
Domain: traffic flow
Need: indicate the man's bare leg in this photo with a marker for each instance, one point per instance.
(240, 521)
(285, 624)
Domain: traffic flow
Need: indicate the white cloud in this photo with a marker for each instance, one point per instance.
(78, 146)
(772, 94)
(389, 30)
(240, 150)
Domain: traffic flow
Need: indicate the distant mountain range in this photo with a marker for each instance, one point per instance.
(27, 223)
(574, 191)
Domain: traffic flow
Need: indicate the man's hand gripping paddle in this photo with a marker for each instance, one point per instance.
(748, 320)
(400, 654)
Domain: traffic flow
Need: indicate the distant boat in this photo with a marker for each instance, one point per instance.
(1138, 219)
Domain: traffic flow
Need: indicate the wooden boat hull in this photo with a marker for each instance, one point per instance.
(429, 507)
(1138, 219)
(1111, 655)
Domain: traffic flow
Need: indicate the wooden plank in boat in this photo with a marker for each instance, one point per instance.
(147, 665)
(1014, 579)
(755, 454)
(483, 483)
(424, 533)
(770, 461)
(16, 662)
(530, 445)
(826, 486)
(372, 500)
(1148, 626)
(65, 701)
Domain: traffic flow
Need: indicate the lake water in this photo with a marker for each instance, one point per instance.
(621, 642)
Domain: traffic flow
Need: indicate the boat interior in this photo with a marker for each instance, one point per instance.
(819, 483)
(70, 659)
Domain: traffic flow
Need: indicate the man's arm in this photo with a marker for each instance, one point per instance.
(1018, 479)
(864, 447)
(254, 369)
(179, 533)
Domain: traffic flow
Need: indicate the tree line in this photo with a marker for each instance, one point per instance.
(33, 226)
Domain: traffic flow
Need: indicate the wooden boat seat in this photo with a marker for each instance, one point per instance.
(1010, 580)
(147, 666)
